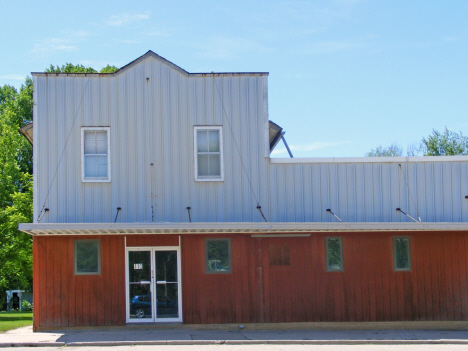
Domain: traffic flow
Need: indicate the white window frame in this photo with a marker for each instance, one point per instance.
(221, 159)
(95, 179)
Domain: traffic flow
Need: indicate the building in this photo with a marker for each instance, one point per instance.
(156, 200)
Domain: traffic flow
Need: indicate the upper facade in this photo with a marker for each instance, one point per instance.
(153, 140)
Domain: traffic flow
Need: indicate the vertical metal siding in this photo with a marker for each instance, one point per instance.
(369, 192)
(151, 121)
(151, 109)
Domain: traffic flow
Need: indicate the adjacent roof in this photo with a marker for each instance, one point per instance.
(27, 131)
(159, 58)
(278, 228)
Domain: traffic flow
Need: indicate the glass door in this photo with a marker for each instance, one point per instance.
(139, 286)
(153, 285)
(167, 286)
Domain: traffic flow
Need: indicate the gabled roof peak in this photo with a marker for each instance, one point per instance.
(152, 54)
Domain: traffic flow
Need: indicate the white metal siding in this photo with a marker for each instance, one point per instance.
(151, 122)
(369, 192)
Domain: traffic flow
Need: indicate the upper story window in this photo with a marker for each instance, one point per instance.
(209, 154)
(95, 155)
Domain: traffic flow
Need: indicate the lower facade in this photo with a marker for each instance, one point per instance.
(263, 278)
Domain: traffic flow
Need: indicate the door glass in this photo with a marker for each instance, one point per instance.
(166, 284)
(139, 273)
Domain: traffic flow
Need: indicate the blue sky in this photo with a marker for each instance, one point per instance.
(345, 75)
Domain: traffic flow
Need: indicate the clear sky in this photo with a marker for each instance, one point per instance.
(345, 75)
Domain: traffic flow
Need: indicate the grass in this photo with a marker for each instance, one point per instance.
(13, 320)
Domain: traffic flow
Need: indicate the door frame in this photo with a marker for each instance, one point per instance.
(154, 318)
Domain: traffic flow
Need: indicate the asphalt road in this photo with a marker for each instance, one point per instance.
(256, 348)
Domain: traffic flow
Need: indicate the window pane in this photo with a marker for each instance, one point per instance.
(95, 166)
(214, 165)
(101, 142)
(203, 168)
(166, 266)
(401, 247)
(334, 259)
(87, 256)
(218, 256)
(214, 140)
(89, 143)
(202, 140)
(101, 166)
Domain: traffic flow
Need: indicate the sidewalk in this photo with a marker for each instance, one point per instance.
(187, 336)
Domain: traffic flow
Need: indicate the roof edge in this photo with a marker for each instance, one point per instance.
(159, 58)
(233, 228)
(406, 159)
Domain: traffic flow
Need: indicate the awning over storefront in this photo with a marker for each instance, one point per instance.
(237, 227)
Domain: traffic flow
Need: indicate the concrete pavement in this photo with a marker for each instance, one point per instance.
(121, 336)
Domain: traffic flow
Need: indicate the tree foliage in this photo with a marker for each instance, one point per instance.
(15, 189)
(109, 69)
(70, 68)
(446, 143)
(380, 151)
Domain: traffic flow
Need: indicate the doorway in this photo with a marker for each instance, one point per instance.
(153, 284)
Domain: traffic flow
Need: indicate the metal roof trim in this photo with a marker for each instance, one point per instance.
(237, 227)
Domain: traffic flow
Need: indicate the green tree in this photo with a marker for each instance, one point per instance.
(444, 144)
(109, 69)
(15, 189)
(70, 68)
(380, 151)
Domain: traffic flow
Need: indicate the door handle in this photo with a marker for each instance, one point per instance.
(145, 282)
(161, 282)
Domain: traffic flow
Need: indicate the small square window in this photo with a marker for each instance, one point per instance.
(208, 154)
(95, 155)
(87, 257)
(218, 255)
(401, 253)
(334, 253)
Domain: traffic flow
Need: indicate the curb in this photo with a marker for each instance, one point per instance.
(238, 342)
(31, 344)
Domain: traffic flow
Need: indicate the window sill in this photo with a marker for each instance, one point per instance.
(209, 179)
(95, 180)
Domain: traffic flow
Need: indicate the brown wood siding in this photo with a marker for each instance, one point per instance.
(152, 240)
(64, 299)
(368, 289)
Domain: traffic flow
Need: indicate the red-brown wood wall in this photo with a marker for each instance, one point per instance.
(64, 299)
(367, 290)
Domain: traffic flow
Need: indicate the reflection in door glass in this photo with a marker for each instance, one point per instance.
(140, 301)
(166, 266)
(139, 273)
(167, 305)
(167, 298)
